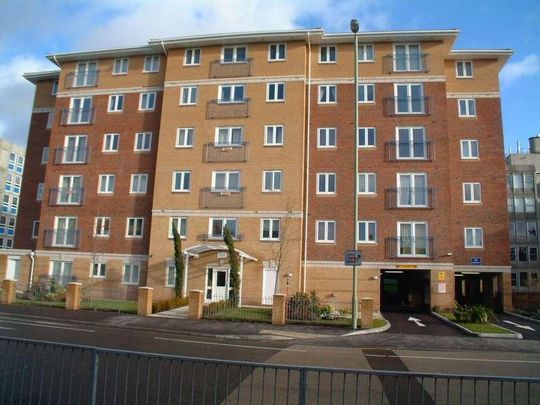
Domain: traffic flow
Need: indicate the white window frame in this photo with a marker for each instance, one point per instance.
(280, 51)
(147, 101)
(90, 75)
(408, 58)
(182, 230)
(411, 144)
(186, 134)
(224, 222)
(63, 264)
(328, 54)
(107, 179)
(40, 191)
(45, 155)
(183, 174)
(468, 102)
(324, 134)
(110, 139)
(188, 95)
(272, 174)
(170, 265)
(54, 88)
(232, 88)
(228, 132)
(79, 146)
(464, 64)
(120, 62)
(102, 227)
(366, 131)
(363, 90)
(146, 143)
(275, 89)
(192, 56)
(153, 61)
(363, 54)
(413, 236)
(227, 174)
(115, 103)
(66, 236)
(138, 183)
(366, 177)
(476, 244)
(327, 99)
(135, 221)
(410, 100)
(475, 199)
(272, 222)
(367, 224)
(470, 142)
(325, 238)
(101, 272)
(35, 229)
(326, 176)
(132, 280)
(271, 133)
(50, 120)
(412, 193)
(76, 115)
(235, 54)
(73, 195)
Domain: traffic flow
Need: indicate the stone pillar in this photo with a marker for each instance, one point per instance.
(196, 303)
(144, 301)
(366, 312)
(278, 310)
(8, 291)
(73, 296)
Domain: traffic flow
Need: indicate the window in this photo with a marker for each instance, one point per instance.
(273, 135)
(217, 225)
(234, 54)
(151, 64)
(171, 275)
(275, 92)
(270, 229)
(20, 164)
(229, 136)
(520, 182)
(533, 254)
(120, 66)
(467, 107)
(471, 193)
(366, 93)
(225, 181)
(65, 232)
(411, 143)
(61, 271)
(326, 138)
(75, 149)
(131, 274)
(367, 232)
(366, 53)
(412, 190)
(409, 99)
(326, 231)
(413, 239)
(85, 75)
(143, 142)
(106, 184)
(11, 226)
(147, 101)
(102, 227)
(116, 103)
(277, 52)
(98, 270)
(70, 191)
(138, 184)
(192, 56)
(328, 54)
(231, 93)
(134, 227)
(110, 142)
(12, 161)
(35, 229)
(50, 120)
(474, 238)
(80, 110)
(54, 90)
(469, 149)
(184, 137)
(180, 223)
(45, 156)
(188, 95)
(366, 137)
(181, 181)
(272, 180)
(407, 58)
(327, 94)
(464, 69)
(367, 183)
(326, 183)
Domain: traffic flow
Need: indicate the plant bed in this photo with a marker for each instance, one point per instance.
(56, 304)
(341, 322)
(242, 314)
(111, 305)
(477, 328)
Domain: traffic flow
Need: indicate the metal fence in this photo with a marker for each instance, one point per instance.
(309, 308)
(46, 291)
(44, 372)
(243, 309)
(104, 298)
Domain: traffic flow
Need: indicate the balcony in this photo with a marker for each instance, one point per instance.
(78, 116)
(406, 64)
(72, 155)
(216, 152)
(221, 199)
(205, 237)
(82, 79)
(66, 238)
(235, 109)
(407, 106)
(66, 196)
(410, 198)
(410, 247)
(219, 69)
(409, 151)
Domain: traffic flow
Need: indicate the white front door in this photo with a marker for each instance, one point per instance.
(217, 284)
(13, 268)
(269, 283)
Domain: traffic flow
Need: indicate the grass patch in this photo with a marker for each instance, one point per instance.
(110, 305)
(476, 327)
(55, 304)
(340, 322)
(242, 314)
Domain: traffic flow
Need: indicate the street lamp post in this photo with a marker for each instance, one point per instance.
(354, 28)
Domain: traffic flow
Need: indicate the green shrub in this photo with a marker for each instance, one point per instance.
(171, 303)
(46, 290)
(304, 307)
(473, 313)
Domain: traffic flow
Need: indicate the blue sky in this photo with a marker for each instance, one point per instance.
(33, 28)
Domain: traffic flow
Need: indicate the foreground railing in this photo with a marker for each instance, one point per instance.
(44, 372)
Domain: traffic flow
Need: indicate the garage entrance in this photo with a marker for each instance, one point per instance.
(405, 290)
(479, 288)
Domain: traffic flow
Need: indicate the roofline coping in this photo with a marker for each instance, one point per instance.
(35, 77)
(99, 53)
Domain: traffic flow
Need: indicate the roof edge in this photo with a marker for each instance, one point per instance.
(35, 77)
(84, 55)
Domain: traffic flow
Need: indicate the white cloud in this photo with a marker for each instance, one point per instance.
(528, 66)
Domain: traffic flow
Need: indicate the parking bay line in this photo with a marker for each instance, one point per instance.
(43, 325)
(453, 358)
(230, 345)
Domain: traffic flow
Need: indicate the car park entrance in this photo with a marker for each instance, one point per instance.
(479, 288)
(405, 290)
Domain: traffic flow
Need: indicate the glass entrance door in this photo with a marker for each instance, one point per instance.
(217, 284)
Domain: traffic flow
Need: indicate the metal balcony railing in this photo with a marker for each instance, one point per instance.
(409, 63)
(221, 199)
(405, 247)
(82, 79)
(72, 156)
(409, 151)
(226, 109)
(218, 152)
(68, 238)
(524, 239)
(66, 196)
(216, 237)
(219, 69)
(78, 116)
(407, 105)
(410, 198)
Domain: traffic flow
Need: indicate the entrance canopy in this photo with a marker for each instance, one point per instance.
(196, 250)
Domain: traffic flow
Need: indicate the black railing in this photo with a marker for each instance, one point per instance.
(410, 198)
(68, 238)
(223, 199)
(407, 105)
(72, 155)
(217, 237)
(409, 151)
(78, 116)
(66, 196)
(228, 109)
(409, 63)
(219, 69)
(82, 79)
(404, 247)
(218, 152)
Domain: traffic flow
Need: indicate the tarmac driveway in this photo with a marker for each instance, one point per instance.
(431, 326)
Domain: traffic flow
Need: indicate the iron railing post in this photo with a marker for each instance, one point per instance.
(302, 387)
(94, 377)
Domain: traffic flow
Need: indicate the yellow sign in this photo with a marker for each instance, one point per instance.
(442, 276)
(406, 266)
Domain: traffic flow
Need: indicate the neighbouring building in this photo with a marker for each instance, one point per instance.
(255, 132)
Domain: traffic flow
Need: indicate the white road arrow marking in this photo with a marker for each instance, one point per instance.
(417, 321)
(519, 326)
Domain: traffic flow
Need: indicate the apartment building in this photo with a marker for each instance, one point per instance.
(255, 131)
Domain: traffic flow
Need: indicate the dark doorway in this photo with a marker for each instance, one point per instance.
(407, 290)
(479, 288)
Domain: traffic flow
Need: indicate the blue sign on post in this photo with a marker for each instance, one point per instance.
(476, 261)
(353, 258)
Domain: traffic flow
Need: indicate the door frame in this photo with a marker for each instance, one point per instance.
(216, 269)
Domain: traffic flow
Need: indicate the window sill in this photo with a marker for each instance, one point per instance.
(326, 194)
(147, 110)
(474, 247)
(134, 237)
(98, 277)
(270, 145)
(367, 194)
(276, 101)
(374, 243)
(124, 283)
(181, 191)
(115, 112)
(183, 147)
(324, 242)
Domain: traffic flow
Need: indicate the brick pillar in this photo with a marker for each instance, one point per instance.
(144, 301)
(8, 291)
(196, 303)
(506, 291)
(73, 296)
(366, 312)
(278, 310)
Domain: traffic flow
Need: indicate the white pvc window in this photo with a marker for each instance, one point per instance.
(270, 229)
(273, 135)
(326, 138)
(120, 66)
(467, 107)
(138, 184)
(327, 54)
(111, 142)
(469, 149)
(192, 56)
(147, 101)
(134, 227)
(181, 181)
(277, 52)
(327, 94)
(367, 232)
(184, 137)
(367, 183)
(325, 231)
(474, 238)
(326, 183)
(116, 103)
(188, 95)
(472, 193)
(272, 180)
(151, 64)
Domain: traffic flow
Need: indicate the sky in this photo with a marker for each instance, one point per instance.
(32, 29)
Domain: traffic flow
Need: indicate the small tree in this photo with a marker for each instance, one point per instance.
(178, 263)
(234, 263)
(280, 249)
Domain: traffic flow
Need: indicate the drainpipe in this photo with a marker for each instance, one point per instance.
(32, 265)
(308, 135)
